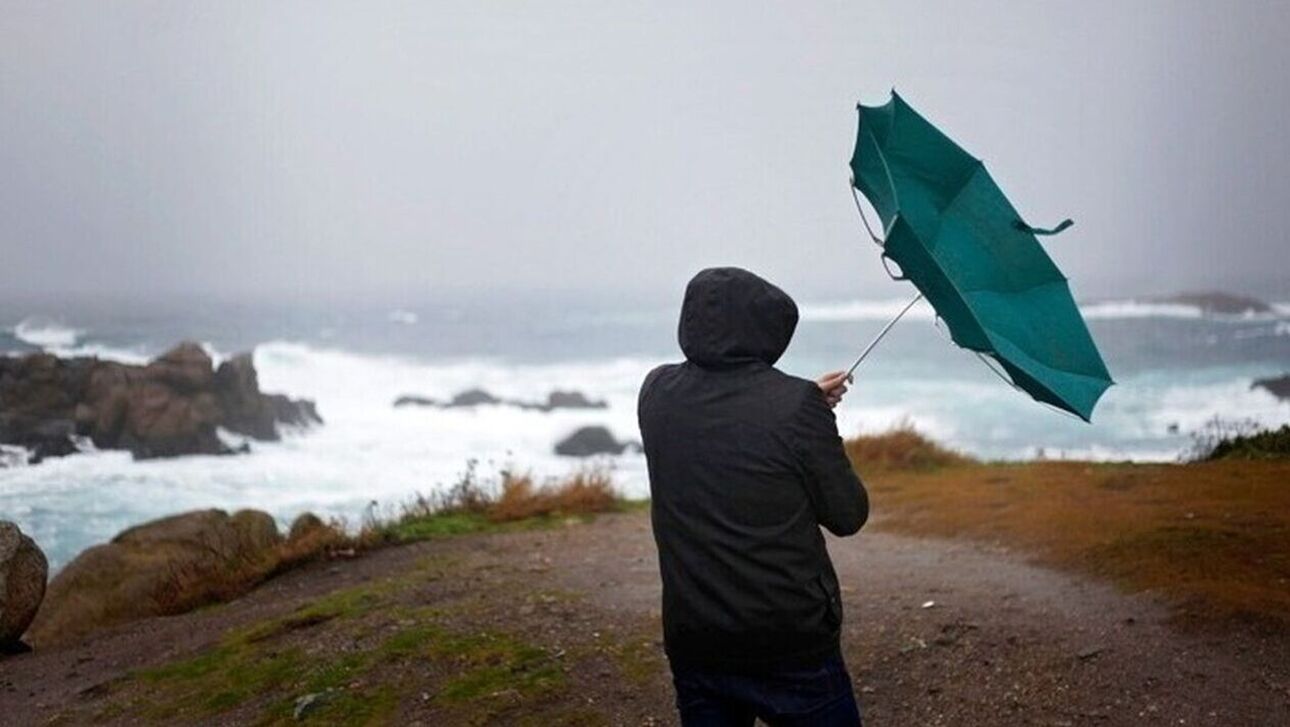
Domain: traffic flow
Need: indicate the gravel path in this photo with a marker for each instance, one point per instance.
(937, 633)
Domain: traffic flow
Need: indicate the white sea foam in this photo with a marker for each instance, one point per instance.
(864, 310)
(12, 456)
(885, 310)
(1118, 309)
(103, 351)
(368, 450)
(46, 333)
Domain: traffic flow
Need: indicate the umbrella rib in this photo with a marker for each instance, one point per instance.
(863, 218)
(1008, 380)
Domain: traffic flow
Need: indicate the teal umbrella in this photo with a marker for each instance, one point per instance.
(952, 233)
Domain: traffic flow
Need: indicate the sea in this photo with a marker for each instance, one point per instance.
(1175, 367)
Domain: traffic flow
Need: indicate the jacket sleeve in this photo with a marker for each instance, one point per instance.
(836, 492)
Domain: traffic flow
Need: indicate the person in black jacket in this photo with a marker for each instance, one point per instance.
(745, 465)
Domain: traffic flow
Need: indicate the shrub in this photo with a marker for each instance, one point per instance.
(1242, 440)
(582, 493)
(901, 448)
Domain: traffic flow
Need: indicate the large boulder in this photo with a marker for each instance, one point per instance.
(161, 422)
(473, 397)
(476, 397)
(306, 525)
(572, 400)
(23, 570)
(591, 441)
(1278, 386)
(172, 406)
(38, 399)
(415, 400)
(185, 368)
(249, 411)
(156, 568)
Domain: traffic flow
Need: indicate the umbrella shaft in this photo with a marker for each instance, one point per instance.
(883, 333)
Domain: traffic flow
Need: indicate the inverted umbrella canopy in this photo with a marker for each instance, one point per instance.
(958, 239)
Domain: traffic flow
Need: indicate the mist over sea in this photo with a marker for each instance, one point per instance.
(1174, 368)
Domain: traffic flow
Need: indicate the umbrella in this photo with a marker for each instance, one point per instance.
(952, 233)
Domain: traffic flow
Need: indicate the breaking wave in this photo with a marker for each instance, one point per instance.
(46, 333)
(885, 310)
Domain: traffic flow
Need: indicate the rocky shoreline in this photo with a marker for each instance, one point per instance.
(1278, 386)
(146, 570)
(171, 406)
(479, 397)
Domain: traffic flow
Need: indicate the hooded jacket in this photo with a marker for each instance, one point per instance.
(745, 465)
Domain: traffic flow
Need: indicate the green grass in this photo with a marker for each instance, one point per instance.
(254, 667)
(493, 663)
(637, 659)
(441, 525)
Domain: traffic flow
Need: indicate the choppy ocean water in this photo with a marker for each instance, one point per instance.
(1174, 367)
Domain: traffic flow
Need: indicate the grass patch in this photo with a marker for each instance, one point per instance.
(490, 664)
(901, 448)
(249, 663)
(1266, 444)
(514, 501)
(639, 660)
(1214, 536)
(189, 581)
(267, 666)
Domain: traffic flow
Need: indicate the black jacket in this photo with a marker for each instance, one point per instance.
(745, 465)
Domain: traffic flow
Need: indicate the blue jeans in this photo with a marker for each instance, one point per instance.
(819, 695)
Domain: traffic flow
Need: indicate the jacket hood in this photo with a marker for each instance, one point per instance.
(731, 316)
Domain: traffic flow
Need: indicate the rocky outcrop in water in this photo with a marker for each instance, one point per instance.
(171, 406)
(23, 570)
(1217, 303)
(591, 441)
(479, 397)
(152, 569)
(1278, 386)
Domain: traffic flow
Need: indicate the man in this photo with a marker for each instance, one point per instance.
(745, 465)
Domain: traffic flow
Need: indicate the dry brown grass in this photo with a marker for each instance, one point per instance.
(179, 578)
(196, 582)
(901, 448)
(583, 493)
(1213, 536)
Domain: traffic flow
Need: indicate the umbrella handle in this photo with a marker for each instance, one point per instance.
(881, 334)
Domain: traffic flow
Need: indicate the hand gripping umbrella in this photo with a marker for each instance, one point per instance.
(955, 236)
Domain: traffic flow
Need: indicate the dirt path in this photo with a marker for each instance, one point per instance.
(571, 614)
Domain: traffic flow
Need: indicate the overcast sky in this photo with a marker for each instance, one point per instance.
(408, 150)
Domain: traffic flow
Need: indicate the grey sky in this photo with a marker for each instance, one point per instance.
(407, 149)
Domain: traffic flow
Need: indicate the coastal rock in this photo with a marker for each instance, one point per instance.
(252, 413)
(590, 441)
(475, 397)
(413, 400)
(1218, 303)
(171, 406)
(185, 368)
(160, 421)
(1278, 386)
(152, 569)
(572, 400)
(256, 530)
(23, 570)
(305, 525)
